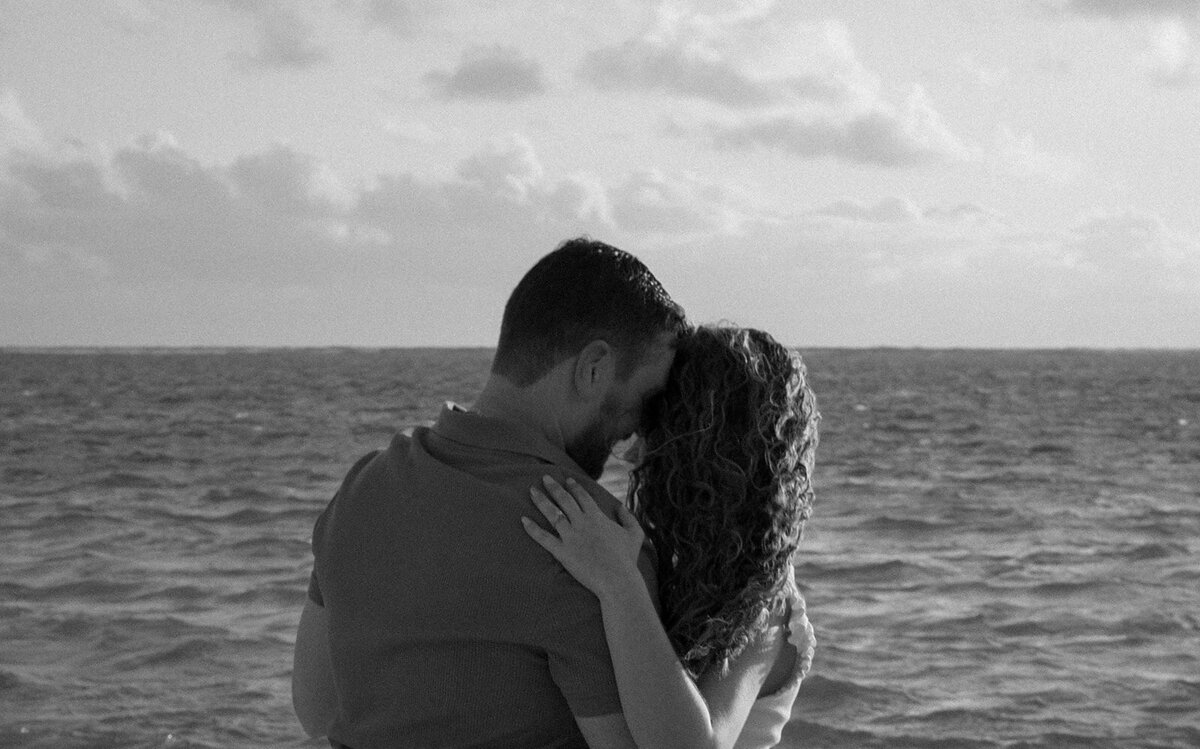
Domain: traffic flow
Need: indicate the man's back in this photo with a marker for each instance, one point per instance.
(447, 627)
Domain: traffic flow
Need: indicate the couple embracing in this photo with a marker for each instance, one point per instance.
(473, 586)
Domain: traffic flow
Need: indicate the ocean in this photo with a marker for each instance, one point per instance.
(1004, 549)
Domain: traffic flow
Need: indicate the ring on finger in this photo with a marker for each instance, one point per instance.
(560, 516)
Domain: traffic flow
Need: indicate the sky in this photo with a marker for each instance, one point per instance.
(977, 173)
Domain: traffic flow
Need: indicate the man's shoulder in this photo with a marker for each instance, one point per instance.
(396, 449)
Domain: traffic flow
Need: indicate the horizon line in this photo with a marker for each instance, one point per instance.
(254, 348)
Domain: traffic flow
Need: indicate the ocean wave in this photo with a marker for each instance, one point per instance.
(1051, 449)
(22, 474)
(805, 733)
(148, 457)
(282, 596)
(1151, 551)
(188, 650)
(91, 590)
(272, 546)
(821, 693)
(1023, 629)
(1069, 588)
(238, 518)
(1056, 556)
(902, 525)
(121, 479)
(177, 595)
(887, 571)
(223, 494)
(1172, 697)
(1071, 740)
(309, 475)
(1186, 574)
(9, 680)
(1163, 622)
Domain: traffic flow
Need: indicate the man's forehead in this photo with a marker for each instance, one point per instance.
(656, 361)
(664, 345)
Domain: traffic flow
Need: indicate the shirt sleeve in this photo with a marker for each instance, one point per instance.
(318, 535)
(578, 657)
(314, 590)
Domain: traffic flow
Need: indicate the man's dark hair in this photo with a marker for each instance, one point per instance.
(583, 291)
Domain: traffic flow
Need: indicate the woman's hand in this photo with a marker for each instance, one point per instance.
(601, 554)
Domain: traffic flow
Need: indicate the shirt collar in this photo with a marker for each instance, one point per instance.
(491, 433)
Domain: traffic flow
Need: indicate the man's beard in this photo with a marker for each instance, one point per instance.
(592, 448)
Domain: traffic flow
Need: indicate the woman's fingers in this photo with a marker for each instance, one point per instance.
(545, 539)
(570, 506)
(630, 523)
(549, 509)
(581, 495)
(626, 518)
(564, 499)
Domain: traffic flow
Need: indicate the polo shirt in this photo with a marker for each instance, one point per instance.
(448, 625)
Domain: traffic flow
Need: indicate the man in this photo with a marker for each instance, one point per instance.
(432, 619)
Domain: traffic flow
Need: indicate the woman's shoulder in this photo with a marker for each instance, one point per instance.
(772, 710)
(788, 624)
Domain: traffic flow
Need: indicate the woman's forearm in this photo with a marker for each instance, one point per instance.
(662, 705)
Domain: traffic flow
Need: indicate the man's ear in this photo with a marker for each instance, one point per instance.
(595, 369)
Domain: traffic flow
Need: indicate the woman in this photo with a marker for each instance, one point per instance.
(723, 490)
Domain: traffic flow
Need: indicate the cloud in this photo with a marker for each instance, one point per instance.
(796, 87)
(882, 136)
(1128, 8)
(649, 201)
(17, 131)
(484, 222)
(1130, 253)
(987, 76)
(284, 182)
(900, 273)
(284, 37)
(641, 65)
(497, 73)
(890, 210)
(712, 57)
(902, 211)
(1132, 248)
(397, 16)
(508, 167)
(152, 211)
(1018, 155)
(285, 41)
(1170, 59)
(412, 130)
(148, 243)
(403, 18)
(132, 16)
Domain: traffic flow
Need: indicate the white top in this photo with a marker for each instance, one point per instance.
(764, 725)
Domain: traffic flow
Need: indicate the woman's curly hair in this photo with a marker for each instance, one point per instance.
(724, 487)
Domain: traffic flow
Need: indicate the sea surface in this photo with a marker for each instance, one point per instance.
(1004, 551)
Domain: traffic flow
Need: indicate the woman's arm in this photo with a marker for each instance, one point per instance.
(662, 705)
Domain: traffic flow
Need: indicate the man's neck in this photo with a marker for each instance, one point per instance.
(533, 407)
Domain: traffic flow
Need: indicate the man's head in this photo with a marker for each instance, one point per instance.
(617, 406)
(604, 312)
